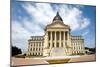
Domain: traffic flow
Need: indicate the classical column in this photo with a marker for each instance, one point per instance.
(41, 45)
(68, 41)
(38, 46)
(60, 38)
(35, 46)
(47, 38)
(29, 48)
(64, 39)
(55, 39)
(68, 35)
(51, 39)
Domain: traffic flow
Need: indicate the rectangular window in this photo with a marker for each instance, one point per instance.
(30, 49)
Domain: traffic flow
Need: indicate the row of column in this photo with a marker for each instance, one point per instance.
(61, 42)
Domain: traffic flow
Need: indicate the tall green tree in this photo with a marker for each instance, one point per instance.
(16, 50)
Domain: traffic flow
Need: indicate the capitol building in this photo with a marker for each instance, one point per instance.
(57, 41)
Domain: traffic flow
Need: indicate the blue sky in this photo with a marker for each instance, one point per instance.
(29, 19)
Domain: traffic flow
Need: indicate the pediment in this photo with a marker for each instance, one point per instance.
(57, 25)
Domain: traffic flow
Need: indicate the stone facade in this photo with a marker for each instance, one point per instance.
(77, 43)
(35, 46)
(57, 41)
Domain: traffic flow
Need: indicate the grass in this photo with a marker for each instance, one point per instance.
(58, 61)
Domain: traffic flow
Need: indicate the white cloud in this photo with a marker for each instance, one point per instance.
(21, 33)
(85, 23)
(72, 18)
(85, 33)
(43, 14)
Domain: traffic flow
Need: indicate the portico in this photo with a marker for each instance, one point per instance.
(57, 37)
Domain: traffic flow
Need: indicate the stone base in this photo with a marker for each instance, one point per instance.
(58, 52)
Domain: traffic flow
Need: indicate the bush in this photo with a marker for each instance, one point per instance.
(20, 56)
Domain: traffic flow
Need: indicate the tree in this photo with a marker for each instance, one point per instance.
(93, 50)
(16, 50)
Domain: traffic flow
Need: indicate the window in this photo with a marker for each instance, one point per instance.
(33, 49)
(39, 49)
(30, 49)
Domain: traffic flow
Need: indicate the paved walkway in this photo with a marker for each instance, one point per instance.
(23, 61)
(34, 61)
(84, 58)
(58, 57)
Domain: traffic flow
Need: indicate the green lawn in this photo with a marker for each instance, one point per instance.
(57, 61)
